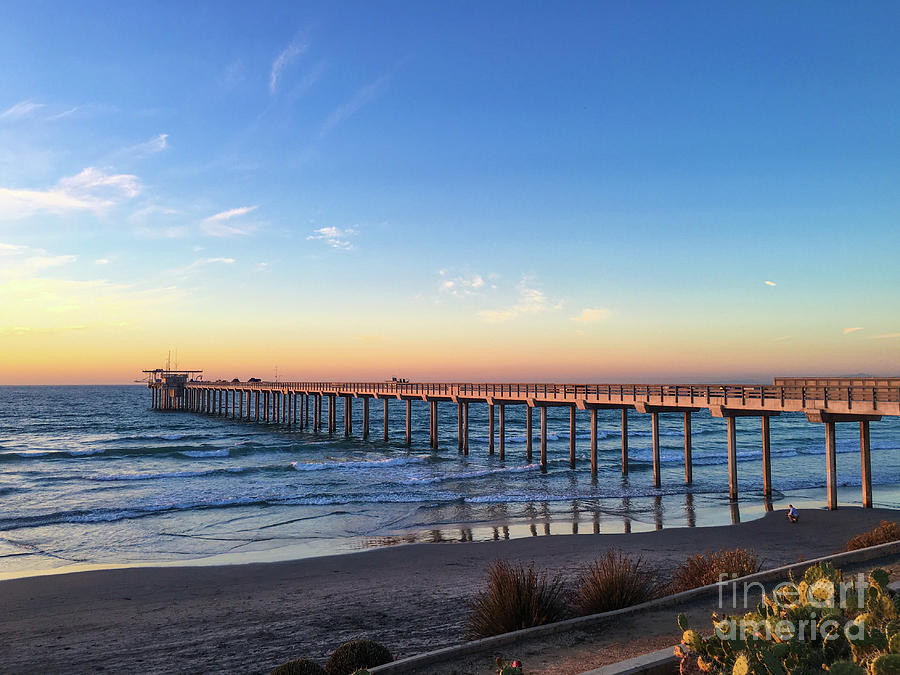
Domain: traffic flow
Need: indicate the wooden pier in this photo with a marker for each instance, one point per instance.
(825, 401)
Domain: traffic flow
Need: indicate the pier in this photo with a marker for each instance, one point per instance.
(303, 405)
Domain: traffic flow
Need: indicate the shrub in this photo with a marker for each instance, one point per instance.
(298, 667)
(706, 568)
(356, 654)
(615, 581)
(851, 629)
(516, 597)
(887, 532)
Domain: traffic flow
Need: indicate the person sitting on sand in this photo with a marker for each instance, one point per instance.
(792, 514)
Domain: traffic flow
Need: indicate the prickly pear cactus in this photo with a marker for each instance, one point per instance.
(820, 622)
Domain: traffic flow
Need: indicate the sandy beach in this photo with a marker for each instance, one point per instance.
(248, 618)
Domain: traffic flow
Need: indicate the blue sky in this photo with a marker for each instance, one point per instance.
(400, 180)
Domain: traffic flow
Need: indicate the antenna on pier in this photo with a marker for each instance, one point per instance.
(276, 373)
(169, 361)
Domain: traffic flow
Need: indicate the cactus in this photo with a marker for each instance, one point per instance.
(758, 643)
(886, 664)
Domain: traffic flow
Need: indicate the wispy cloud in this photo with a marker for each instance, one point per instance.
(287, 56)
(530, 300)
(460, 285)
(783, 338)
(591, 315)
(89, 190)
(222, 225)
(20, 110)
(769, 283)
(335, 237)
(101, 261)
(847, 331)
(886, 336)
(150, 147)
(362, 97)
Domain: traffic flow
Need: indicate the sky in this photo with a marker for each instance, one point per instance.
(465, 191)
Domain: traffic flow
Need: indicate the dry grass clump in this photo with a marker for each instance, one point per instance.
(615, 581)
(707, 568)
(887, 532)
(356, 654)
(516, 597)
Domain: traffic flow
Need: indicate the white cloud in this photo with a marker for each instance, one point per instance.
(20, 110)
(101, 261)
(590, 315)
(852, 330)
(283, 60)
(460, 285)
(530, 300)
(360, 98)
(89, 190)
(10, 249)
(335, 237)
(220, 225)
(769, 283)
(886, 336)
(150, 147)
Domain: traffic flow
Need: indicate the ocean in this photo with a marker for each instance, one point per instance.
(91, 477)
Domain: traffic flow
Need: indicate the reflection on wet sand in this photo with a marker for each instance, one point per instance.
(533, 519)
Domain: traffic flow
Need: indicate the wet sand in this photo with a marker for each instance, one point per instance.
(248, 618)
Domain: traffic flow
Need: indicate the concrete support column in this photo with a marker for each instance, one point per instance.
(593, 441)
(502, 432)
(831, 465)
(348, 415)
(385, 420)
(528, 434)
(233, 400)
(543, 438)
(491, 428)
(365, 417)
(332, 413)
(459, 426)
(732, 459)
(466, 428)
(688, 451)
(654, 432)
(572, 436)
(624, 441)
(866, 458)
(257, 405)
(766, 458)
(317, 412)
(408, 422)
(266, 406)
(432, 424)
(241, 404)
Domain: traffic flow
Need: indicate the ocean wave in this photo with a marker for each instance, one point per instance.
(358, 464)
(220, 452)
(167, 474)
(473, 474)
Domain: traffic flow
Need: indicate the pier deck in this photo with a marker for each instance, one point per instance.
(826, 401)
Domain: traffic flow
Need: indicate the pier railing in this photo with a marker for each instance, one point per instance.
(883, 397)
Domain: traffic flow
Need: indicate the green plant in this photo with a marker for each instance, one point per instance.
(298, 667)
(509, 667)
(822, 622)
(516, 597)
(886, 532)
(707, 568)
(615, 581)
(356, 654)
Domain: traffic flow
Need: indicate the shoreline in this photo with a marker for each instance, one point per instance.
(668, 512)
(413, 598)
